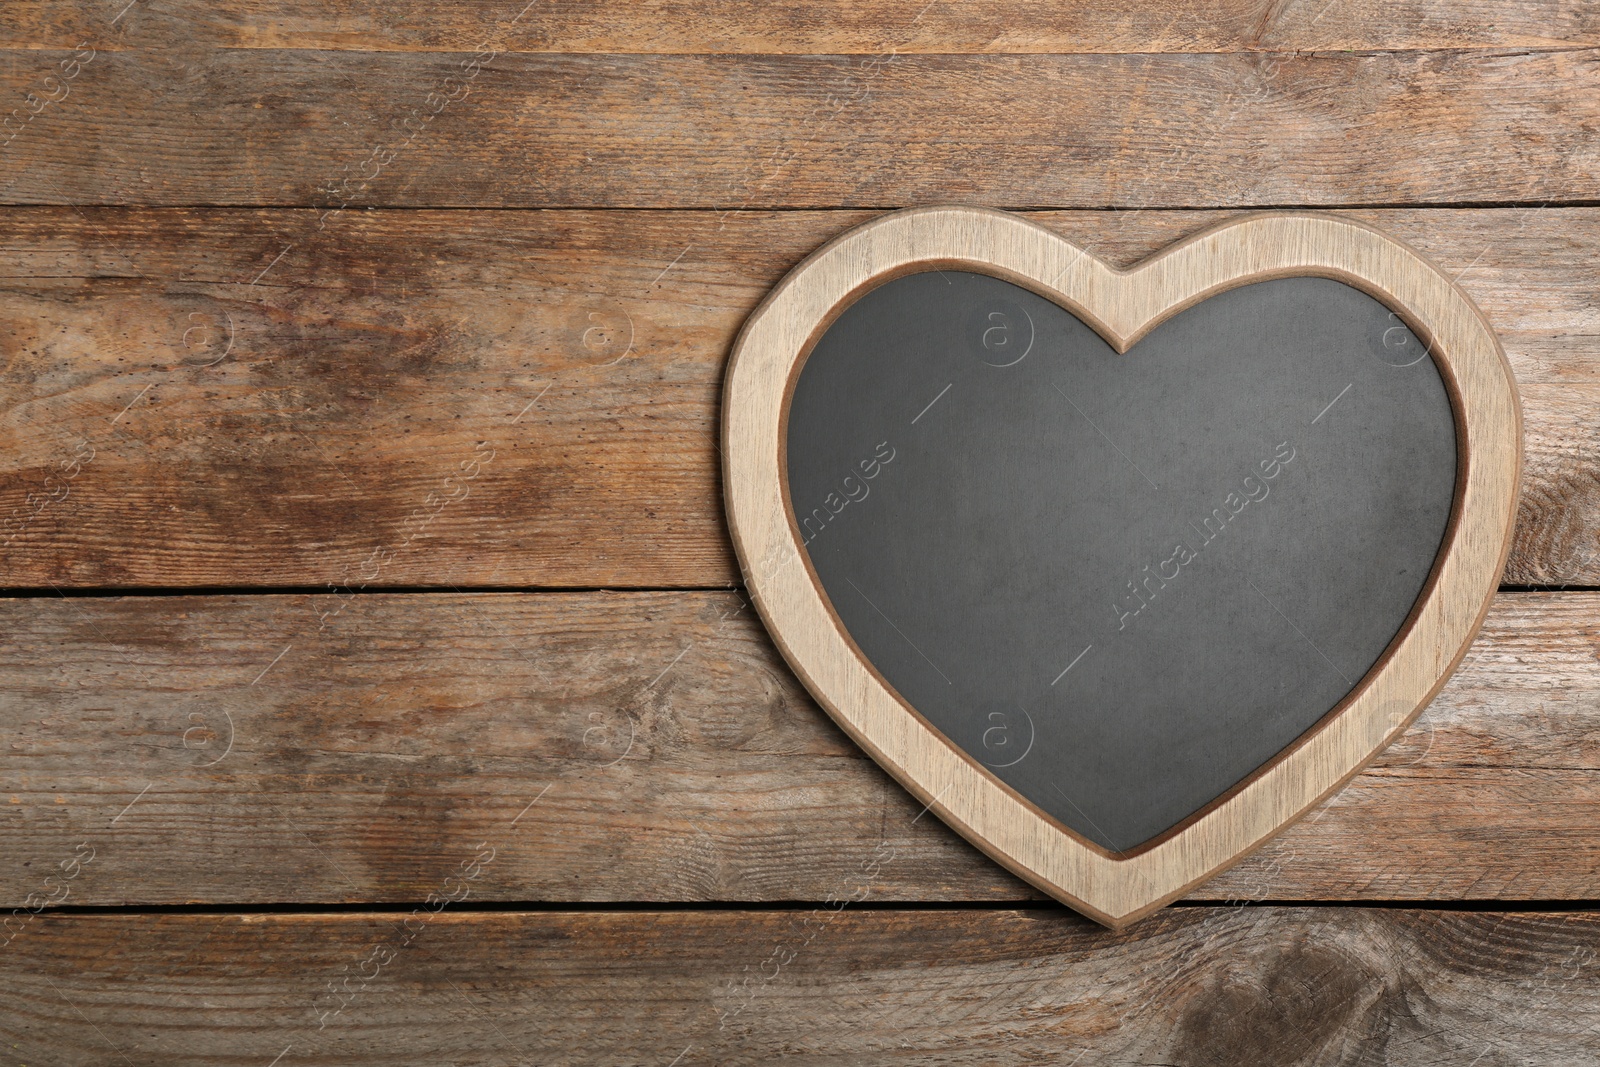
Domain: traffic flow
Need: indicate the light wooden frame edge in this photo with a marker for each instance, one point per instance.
(1122, 306)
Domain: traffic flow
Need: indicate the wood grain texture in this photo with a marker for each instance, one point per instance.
(373, 757)
(366, 365)
(207, 125)
(1254, 987)
(811, 28)
(371, 768)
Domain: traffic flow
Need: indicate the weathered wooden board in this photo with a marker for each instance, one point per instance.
(1252, 987)
(811, 28)
(256, 749)
(267, 404)
(208, 125)
(207, 397)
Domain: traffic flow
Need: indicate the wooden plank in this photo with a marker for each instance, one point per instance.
(270, 404)
(613, 746)
(291, 127)
(1204, 986)
(812, 28)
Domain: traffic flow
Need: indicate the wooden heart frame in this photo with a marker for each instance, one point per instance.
(1122, 306)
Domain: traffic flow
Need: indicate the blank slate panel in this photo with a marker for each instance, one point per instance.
(1121, 582)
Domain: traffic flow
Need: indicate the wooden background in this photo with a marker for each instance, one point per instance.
(375, 678)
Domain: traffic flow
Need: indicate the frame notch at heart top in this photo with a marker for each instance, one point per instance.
(1025, 466)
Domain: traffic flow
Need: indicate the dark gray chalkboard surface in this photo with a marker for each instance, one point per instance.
(1122, 582)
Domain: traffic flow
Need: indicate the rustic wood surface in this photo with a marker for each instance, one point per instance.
(813, 27)
(243, 380)
(248, 127)
(671, 755)
(825, 985)
(284, 432)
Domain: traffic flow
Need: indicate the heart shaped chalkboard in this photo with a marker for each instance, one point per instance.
(1075, 563)
(1120, 572)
